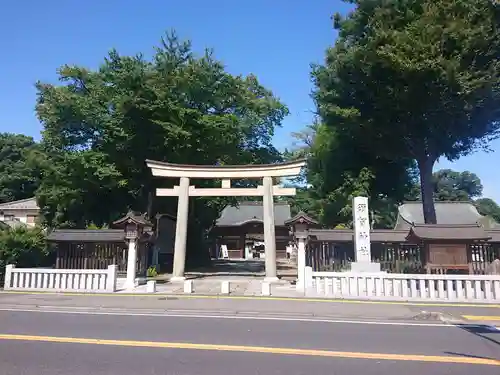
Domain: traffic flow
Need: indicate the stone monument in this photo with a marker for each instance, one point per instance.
(362, 250)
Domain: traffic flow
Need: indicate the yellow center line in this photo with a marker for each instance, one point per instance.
(258, 349)
(482, 317)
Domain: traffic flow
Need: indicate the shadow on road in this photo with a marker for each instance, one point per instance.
(469, 355)
(482, 331)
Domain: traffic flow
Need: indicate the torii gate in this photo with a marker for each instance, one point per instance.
(266, 172)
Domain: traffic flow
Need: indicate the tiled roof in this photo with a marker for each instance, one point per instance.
(23, 204)
(87, 235)
(132, 217)
(252, 211)
(448, 213)
(301, 217)
(448, 232)
(494, 234)
(346, 235)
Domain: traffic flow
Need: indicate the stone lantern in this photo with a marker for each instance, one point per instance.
(299, 229)
(132, 231)
(134, 225)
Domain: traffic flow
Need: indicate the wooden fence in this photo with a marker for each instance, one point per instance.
(393, 257)
(90, 255)
(481, 256)
(337, 256)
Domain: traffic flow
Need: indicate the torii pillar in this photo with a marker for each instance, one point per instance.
(263, 172)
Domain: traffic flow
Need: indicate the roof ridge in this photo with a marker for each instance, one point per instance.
(17, 201)
(438, 202)
(259, 203)
(67, 230)
(438, 225)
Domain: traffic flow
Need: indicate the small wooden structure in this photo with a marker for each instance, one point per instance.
(445, 247)
(89, 248)
(99, 248)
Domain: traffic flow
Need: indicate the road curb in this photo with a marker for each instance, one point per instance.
(261, 298)
(438, 317)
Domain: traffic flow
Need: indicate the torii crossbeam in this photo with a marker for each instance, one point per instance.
(185, 172)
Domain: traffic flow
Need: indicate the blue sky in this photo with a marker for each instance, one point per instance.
(275, 39)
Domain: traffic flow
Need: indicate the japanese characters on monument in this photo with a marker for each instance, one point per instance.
(361, 222)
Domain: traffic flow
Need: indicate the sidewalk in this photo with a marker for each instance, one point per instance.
(239, 286)
(256, 306)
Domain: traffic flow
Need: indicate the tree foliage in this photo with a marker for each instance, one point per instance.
(488, 207)
(23, 247)
(100, 126)
(20, 167)
(337, 171)
(450, 185)
(332, 203)
(412, 80)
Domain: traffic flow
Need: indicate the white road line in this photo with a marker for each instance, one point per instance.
(235, 317)
(156, 311)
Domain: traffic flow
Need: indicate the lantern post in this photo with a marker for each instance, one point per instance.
(299, 229)
(134, 226)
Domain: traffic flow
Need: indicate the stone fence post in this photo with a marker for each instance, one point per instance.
(111, 278)
(8, 276)
(494, 267)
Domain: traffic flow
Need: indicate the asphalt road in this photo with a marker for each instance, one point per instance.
(66, 343)
(256, 306)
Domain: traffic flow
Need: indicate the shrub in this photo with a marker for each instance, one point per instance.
(24, 247)
(152, 272)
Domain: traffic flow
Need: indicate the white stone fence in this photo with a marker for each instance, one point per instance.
(403, 287)
(60, 280)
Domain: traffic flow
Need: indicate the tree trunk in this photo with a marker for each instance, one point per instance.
(150, 205)
(425, 168)
(197, 253)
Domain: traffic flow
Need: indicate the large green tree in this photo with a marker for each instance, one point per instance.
(488, 207)
(450, 185)
(337, 171)
(20, 167)
(307, 198)
(101, 125)
(413, 79)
